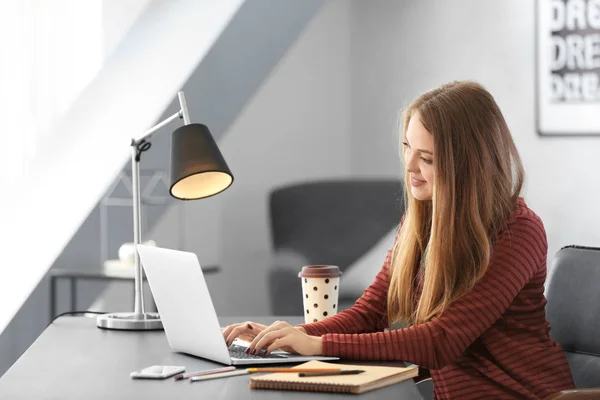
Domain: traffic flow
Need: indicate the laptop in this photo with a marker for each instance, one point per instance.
(188, 314)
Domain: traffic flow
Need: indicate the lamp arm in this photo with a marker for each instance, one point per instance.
(148, 134)
(136, 151)
(182, 113)
(184, 110)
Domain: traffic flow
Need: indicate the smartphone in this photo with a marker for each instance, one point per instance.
(157, 371)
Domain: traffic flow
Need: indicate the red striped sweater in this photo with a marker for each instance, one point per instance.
(491, 343)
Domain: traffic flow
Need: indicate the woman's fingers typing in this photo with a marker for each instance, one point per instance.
(281, 335)
(245, 331)
(278, 335)
(268, 339)
(241, 332)
(271, 328)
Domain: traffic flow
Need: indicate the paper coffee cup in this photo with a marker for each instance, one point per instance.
(320, 291)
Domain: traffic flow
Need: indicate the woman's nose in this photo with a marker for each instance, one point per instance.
(411, 164)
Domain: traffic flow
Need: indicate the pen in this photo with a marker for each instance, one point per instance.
(205, 372)
(346, 372)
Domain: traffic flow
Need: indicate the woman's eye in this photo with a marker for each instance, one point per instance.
(426, 161)
(405, 144)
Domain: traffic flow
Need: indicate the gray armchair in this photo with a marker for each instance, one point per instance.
(327, 222)
(573, 310)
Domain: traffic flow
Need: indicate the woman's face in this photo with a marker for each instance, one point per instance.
(418, 156)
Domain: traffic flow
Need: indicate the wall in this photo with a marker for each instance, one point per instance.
(117, 19)
(402, 48)
(295, 128)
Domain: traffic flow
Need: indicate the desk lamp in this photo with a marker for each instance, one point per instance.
(198, 170)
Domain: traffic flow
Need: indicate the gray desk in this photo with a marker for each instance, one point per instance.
(72, 359)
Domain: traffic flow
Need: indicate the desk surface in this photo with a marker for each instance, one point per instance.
(72, 359)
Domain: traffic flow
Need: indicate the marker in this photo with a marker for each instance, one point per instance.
(345, 372)
(328, 370)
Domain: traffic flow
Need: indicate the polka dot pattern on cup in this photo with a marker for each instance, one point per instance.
(320, 295)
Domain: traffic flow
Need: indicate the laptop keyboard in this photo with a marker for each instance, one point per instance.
(236, 351)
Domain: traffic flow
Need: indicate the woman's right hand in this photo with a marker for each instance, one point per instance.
(245, 331)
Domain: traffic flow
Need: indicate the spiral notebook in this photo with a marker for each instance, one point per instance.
(374, 377)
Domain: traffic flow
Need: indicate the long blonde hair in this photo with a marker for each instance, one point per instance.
(478, 179)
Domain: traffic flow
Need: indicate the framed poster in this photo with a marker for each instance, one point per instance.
(568, 67)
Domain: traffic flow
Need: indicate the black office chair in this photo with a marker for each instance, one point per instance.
(573, 310)
(326, 222)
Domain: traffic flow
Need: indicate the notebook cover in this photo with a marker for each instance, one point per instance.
(374, 377)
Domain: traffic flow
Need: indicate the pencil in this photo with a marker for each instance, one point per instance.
(251, 370)
(205, 372)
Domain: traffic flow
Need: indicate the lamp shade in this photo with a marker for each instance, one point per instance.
(198, 169)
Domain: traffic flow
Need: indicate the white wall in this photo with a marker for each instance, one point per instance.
(402, 48)
(117, 19)
(107, 121)
(295, 128)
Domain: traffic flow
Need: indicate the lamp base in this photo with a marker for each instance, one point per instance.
(130, 321)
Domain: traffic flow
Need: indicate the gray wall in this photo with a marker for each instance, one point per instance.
(296, 128)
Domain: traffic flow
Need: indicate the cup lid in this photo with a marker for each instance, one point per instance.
(320, 271)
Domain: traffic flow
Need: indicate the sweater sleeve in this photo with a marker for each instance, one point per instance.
(368, 314)
(518, 254)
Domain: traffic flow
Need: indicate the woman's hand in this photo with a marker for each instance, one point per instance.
(281, 335)
(245, 331)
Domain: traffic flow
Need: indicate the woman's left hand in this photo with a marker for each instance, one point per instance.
(281, 335)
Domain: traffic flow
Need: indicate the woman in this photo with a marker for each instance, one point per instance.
(466, 273)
